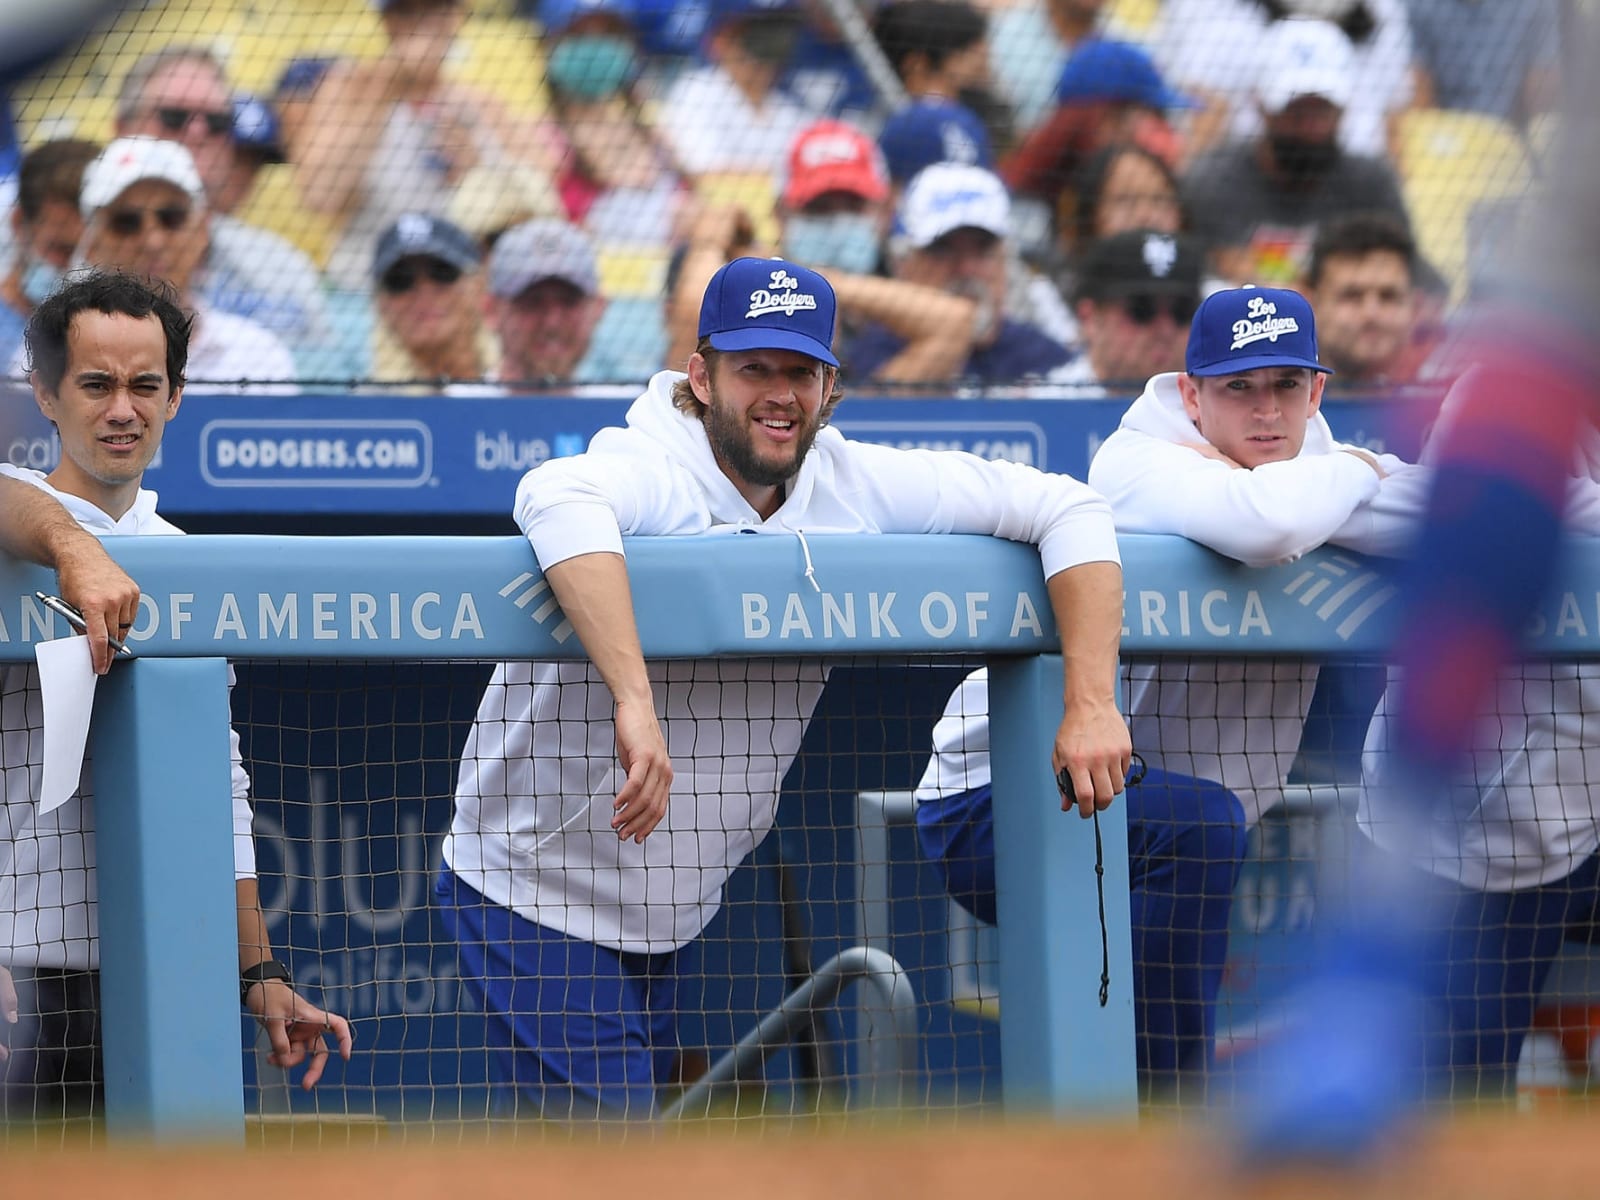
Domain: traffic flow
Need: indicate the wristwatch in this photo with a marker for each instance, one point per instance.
(268, 969)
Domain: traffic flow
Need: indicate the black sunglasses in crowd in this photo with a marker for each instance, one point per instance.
(129, 222)
(402, 277)
(175, 119)
(1143, 308)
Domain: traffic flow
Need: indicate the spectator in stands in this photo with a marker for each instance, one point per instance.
(292, 96)
(619, 181)
(1363, 284)
(953, 226)
(933, 130)
(391, 135)
(544, 304)
(1257, 203)
(1136, 293)
(46, 226)
(145, 211)
(429, 283)
(1122, 187)
(182, 95)
(1108, 92)
(834, 212)
(731, 116)
(1214, 49)
(1500, 59)
(258, 142)
(940, 50)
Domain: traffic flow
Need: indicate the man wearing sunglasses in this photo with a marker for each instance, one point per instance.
(428, 282)
(182, 94)
(1134, 296)
(145, 213)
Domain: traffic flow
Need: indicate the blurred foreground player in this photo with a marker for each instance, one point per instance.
(1347, 1072)
(570, 923)
(107, 354)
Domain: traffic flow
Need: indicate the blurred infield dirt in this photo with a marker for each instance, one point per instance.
(1546, 1156)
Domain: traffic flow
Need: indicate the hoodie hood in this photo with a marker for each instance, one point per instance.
(1158, 413)
(682, 438)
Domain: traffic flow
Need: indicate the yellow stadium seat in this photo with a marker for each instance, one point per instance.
(632, 271)
(1450, 163)
(275, 204)
(754, 191)
(502, 57)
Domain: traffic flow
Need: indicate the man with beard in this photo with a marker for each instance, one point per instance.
(1257, 203)
(570, 927)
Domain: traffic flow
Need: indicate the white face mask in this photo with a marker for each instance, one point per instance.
(846, 242)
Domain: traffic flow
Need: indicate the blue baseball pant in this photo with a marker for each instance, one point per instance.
(1186, 845)
(576, 1031)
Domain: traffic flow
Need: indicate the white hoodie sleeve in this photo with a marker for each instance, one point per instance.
(942, 491)
(588, 503)
(1386, 524)
(1272, 514)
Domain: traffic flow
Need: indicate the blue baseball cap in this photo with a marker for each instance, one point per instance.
(932, 131)
(557, 16)
(1105, 70)
(769, 304)
(256, 129)
(1242, 329)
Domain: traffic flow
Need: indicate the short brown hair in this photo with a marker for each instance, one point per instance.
(53, 171)
(686, 402)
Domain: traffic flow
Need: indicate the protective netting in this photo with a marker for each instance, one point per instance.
(355, 766)
(653, 140)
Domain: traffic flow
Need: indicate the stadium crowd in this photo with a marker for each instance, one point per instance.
(957, 172)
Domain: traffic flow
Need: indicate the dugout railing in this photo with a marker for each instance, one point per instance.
(166, 913)
(167, 936)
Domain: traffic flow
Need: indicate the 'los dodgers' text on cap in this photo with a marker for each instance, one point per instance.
(769, 304)
(1243, 329)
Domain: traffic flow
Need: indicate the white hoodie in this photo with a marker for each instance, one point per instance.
(1531, 817)
(49, 914)
(1237, 722)
(538, 774)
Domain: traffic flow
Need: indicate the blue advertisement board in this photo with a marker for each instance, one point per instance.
(431, 455)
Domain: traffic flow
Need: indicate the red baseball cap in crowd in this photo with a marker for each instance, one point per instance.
(830, 156)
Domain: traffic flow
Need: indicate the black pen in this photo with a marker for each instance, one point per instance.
(75, 618)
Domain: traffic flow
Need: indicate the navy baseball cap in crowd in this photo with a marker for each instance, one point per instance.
(1242, 329)
(769, 304)
(933, 130)
(418, 235)
(1100, 69)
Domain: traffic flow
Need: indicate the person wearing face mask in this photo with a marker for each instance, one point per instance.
(1257, 203)
(732, 115)
(833, 212)
(46, 227)
(951, 235)
(619, 181)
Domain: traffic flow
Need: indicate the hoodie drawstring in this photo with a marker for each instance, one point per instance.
(811, 570)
